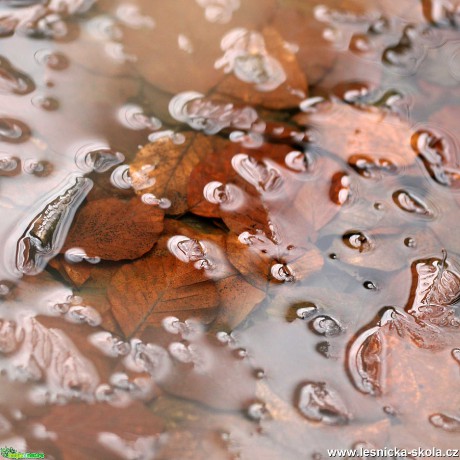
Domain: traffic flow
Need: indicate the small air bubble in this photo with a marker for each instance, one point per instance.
(257, 411)
(180, 352)
(259, 374)
(357, 240)
(369, 285)
(171, 324)
(390, 410)
(410, 242)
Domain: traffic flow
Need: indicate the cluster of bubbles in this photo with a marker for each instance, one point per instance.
(11, 166)
(75, 311)
(43, 20)
(122, 178)
(204, 114)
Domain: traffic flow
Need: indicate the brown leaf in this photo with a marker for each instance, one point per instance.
(297, 25)
(242, 209)
(94, 292)
(79, 429)
(187, 279)
(238, 299)
(185, 68)
(114, 230)
(285, 92)
(164, 167)
(157, 286)
(78, 274)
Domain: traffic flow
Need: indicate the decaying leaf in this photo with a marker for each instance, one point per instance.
(163, 168)
(234, 309)
(114, 230)
(102, 430)
(183, 35)
(186, 275)
(159, 285)
(78, 274)
(265, 71)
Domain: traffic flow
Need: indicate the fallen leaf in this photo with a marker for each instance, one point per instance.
(163, 168)
(182, 35)
(429, 323)
(77, 274)
(224, 382)
(234, 309)
(236, 200)
(267, 74)
(114, 230)
(80, 430)
(157, 286)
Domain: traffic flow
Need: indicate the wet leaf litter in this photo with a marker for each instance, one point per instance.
(228, 227)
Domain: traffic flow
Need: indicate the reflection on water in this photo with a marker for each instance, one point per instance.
(228, 227)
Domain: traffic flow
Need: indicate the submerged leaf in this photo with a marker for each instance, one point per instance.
(163, 168)
(265, 71)
(112, 229)
(78, 430)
